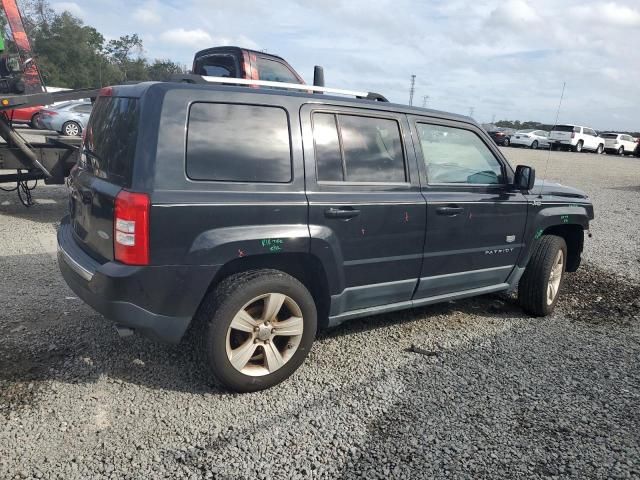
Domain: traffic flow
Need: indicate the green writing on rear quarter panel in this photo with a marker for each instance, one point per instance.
(538, 234)
(272, 244)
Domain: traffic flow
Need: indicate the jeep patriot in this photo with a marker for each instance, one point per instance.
(258, 216)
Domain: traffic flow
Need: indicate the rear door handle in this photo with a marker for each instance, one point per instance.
(449, 211)
(346, 212)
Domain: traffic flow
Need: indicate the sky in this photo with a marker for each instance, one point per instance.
(497, 59)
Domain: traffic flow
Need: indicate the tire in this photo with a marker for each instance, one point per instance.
(34, 121)
(600, 149)
(534, 145)
(507, 142)
(71, 129)
(534, 294)
(578, 147)
(621, 151)
(243, 299)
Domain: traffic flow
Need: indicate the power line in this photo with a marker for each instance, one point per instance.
(412, 89)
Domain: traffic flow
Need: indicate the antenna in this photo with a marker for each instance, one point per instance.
(412, 89)
(546, 167)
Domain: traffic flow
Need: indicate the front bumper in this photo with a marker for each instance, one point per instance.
(155, 301)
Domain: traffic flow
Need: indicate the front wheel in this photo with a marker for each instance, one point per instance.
(260, 326)
(534, 145)
(621, 151)
(539, 287)
(71, 129)
(507, 142)
(35, 121)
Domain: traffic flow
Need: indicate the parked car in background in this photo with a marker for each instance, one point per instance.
(68, 118)
(531, 138)
(637, 150)
(619, 143)
(27, 115)
(576, 138)
(502, 136)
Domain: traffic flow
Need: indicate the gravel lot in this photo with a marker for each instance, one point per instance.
(498, 394)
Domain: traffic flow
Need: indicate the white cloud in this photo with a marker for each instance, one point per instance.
(611, 13)
(189, 38)
(71, 7)
(147, 16)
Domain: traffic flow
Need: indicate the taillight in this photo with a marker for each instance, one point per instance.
(131, 228)
(106, 92)
(573, 134)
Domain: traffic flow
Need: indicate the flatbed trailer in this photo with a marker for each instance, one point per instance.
(50, 160)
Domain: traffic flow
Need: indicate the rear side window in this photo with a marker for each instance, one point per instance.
(359, 149)
(110, 140)
(273, 71)
(455, 155)
(238, 143)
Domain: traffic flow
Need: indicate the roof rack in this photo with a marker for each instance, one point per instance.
(202, 79)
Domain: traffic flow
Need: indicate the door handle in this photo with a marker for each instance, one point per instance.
(449, 211)
(346, 212)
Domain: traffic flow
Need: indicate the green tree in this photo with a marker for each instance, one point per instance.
(163, 70)
(121, 53)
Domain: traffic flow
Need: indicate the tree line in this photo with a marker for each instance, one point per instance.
(74, 55)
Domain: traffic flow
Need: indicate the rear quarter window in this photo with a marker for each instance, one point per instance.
(238, 143)
(110, 141)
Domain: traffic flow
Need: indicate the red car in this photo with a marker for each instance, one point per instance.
(28, 115)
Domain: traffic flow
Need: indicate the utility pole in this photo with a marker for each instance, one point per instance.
(412, 89)
(493, 119)
(471, 110)
(424, 101)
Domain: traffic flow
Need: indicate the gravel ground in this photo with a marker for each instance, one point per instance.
(467, 389)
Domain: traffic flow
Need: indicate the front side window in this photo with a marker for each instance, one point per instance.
(358, 149)
(455, 155)
(238, 143)
(273, 71)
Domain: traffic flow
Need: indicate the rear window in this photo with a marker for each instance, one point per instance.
(238, 143)
(609, 135)
(110, 140)
(565, 128)
(219, 66)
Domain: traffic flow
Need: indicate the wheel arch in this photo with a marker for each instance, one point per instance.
(305, 267)
(573, 235)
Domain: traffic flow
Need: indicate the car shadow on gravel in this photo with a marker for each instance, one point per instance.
(82, 347)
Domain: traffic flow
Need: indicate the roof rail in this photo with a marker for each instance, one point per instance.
(201, 79)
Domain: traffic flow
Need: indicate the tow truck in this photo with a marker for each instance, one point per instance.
(51, 160)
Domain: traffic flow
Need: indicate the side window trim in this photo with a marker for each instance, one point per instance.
(453, 124)
(336, 112)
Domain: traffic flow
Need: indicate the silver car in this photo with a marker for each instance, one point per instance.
(68, 118)
(531, 138)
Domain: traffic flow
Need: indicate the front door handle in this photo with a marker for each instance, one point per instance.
(345, 212)
(449, 211)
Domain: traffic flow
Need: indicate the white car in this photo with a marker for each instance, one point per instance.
(619, 143)
(530, 138)
(576, 138)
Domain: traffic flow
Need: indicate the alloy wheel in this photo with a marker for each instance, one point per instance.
(264, 334)
(555, 277)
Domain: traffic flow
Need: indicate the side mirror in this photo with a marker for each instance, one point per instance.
(525, 177)
(318, 76)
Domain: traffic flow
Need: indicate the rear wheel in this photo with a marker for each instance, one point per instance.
(621, 151)
(35, 121)
(507, 142)
(534, 145)
(578, 147)
(600, 149)
(259, 328)
(71, 129)
(539, 287)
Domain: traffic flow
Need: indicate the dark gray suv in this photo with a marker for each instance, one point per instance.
(259, 216)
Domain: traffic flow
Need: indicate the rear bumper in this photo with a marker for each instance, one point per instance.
(156, 301)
